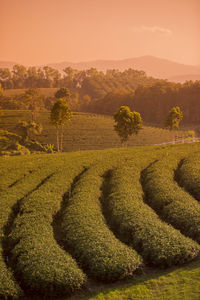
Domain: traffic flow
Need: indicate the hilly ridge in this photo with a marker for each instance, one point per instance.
(153, 66)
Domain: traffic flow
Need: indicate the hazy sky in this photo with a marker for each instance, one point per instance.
(45, 31)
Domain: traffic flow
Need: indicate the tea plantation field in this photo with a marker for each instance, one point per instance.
(107, 224)
(87, 131)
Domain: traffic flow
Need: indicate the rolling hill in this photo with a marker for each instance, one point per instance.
(153, 66)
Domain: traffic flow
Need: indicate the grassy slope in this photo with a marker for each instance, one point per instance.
(176, 283)
(87, 131)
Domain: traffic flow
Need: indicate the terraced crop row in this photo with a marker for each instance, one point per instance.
(169, 200)
(9, 198)
(10, 175)
(87, 234)
(108, 230)
(16, 208)
(188, 175)
(41, 265)
(139, 226)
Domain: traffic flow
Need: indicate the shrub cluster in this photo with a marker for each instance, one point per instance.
(87, 234)
(188, 175)
(139, 226)
(40, 264)
(169, 200)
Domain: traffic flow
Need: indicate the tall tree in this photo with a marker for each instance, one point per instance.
(19, 76)
(60, 115)
(174, 117)
(32, 78)
(33, 99)
(68, 79)
(6, 78)
(127, 123)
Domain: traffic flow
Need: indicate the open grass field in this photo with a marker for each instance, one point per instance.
(108, 224)
(87, 131)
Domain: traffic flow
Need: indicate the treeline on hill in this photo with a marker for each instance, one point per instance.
(96, 92)
(153, 102)
(86, 82)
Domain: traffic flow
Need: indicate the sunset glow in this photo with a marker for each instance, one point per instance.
(46, 31)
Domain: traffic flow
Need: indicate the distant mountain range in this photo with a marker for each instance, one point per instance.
(153, 66)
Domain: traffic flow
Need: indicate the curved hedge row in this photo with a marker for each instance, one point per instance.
(8, 286)
(169, 200)
(188, 175)
(11, 174)
(41, 265)
(88, 235)
(139, 226)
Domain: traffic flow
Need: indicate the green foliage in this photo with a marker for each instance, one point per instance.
(45, 268)
(8, 285)
(32, 190)
(10, 144)
(127, 123)
(92, 82)
(14, 144)
(107, 91)
(174, 117)
(188, 175)
(49, 148)
(60, 113)
(88, 131)
(33, 99)
(88, 236)
(28, 129)
(139, 226)
(9, 289)
(169, 200)
(157, 97)
(62, 93)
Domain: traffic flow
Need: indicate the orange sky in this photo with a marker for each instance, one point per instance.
(45, 31)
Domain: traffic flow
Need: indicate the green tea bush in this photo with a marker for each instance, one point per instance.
(139, 226)
(20, 176)
(40, 264)
(188, 175)
(88, 236)
(8, 285)
(169, 200)
(9, 288)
